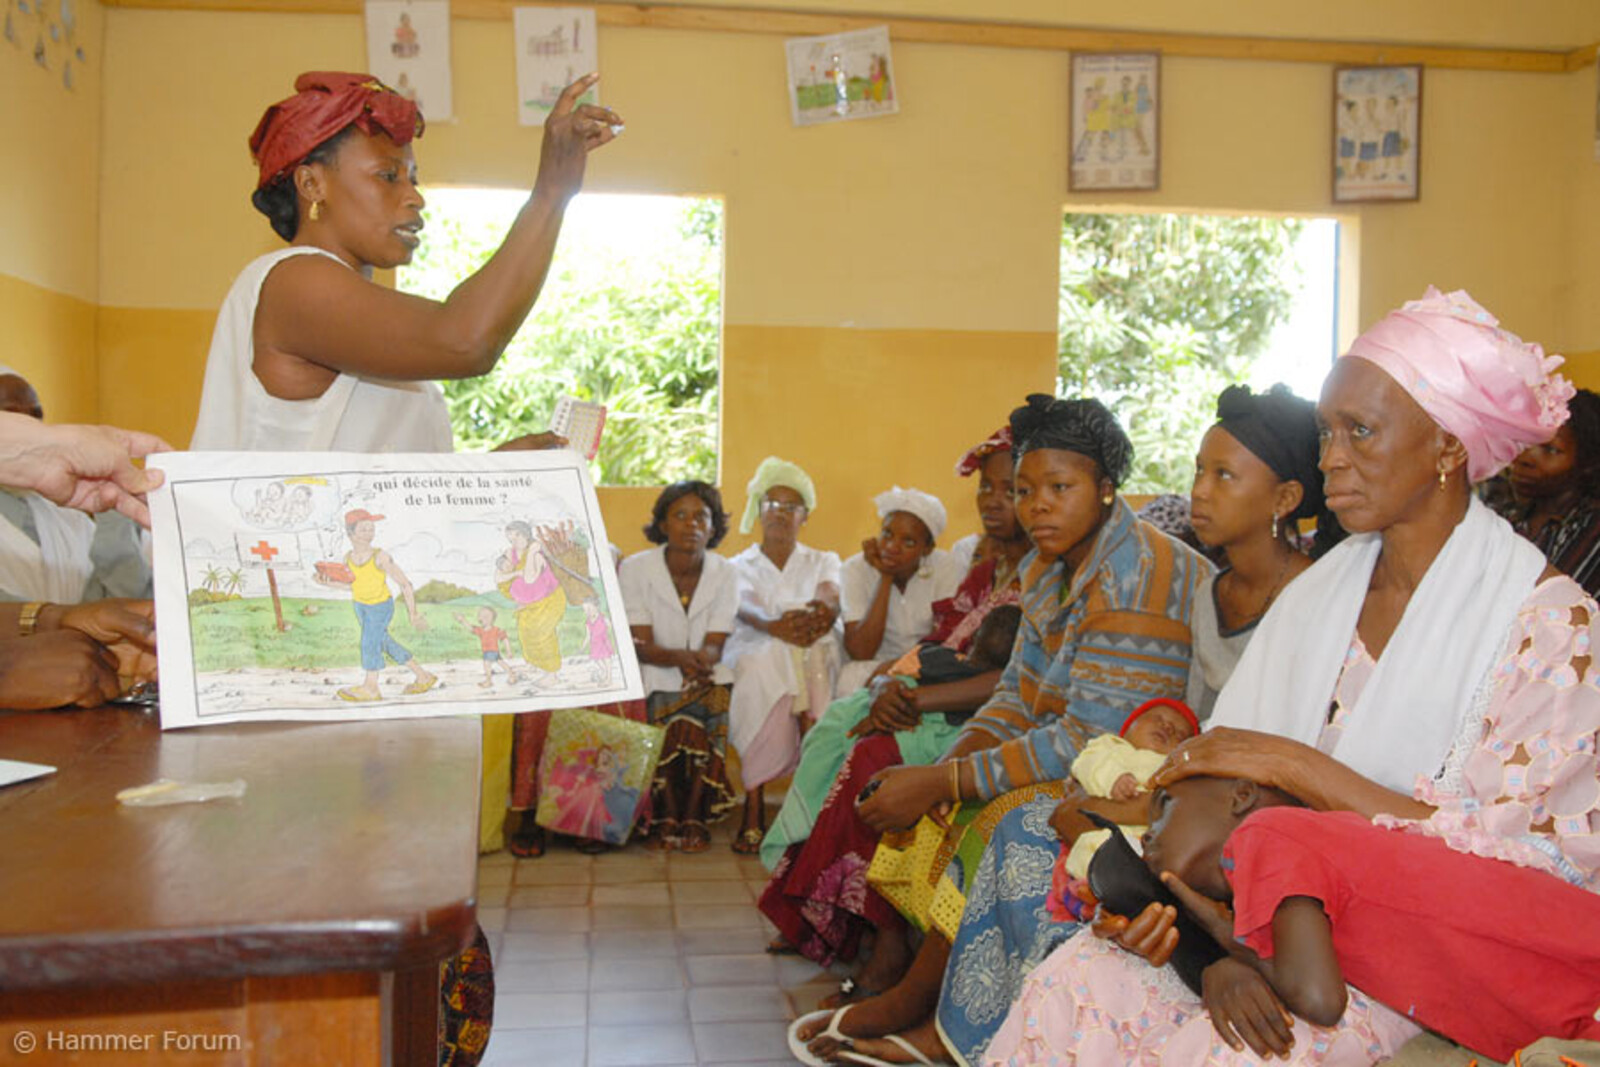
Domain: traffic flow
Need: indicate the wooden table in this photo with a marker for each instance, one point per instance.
(301, 924)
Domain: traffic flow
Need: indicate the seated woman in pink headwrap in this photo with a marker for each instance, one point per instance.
(1432, 673)
(309, 353)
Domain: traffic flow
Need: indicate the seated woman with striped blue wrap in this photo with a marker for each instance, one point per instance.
(1106, 605)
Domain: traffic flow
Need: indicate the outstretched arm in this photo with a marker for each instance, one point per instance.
(316, 311)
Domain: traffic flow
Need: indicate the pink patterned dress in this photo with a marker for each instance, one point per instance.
(1521, 784)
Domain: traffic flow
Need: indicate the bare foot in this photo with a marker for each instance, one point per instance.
(874, 1017)
(923, 1037)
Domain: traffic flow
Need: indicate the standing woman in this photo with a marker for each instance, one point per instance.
(891, 585)
(309, 353)
(682, 600)
(783, 654)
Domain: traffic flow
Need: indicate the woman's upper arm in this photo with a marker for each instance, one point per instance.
(318, 310)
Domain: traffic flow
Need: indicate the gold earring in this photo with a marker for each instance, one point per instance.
(1274, 525)
(316, 210)
(1441, 478)
(1106, 500)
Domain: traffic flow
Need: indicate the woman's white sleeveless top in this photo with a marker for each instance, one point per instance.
(356, 414)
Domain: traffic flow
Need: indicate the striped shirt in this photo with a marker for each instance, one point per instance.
(1088, 653)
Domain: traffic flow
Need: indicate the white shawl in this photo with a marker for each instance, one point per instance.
(1451, 636)
(57, 568)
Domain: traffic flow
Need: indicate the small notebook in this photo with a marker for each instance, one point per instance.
(581, 423)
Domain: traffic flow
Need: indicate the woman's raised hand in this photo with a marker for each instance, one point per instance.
(571, 132)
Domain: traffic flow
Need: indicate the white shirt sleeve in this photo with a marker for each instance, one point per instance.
(725, 605)
(858, 583)
(633, 578)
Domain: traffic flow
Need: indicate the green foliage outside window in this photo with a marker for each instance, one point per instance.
(632, 325)
(1159, 313)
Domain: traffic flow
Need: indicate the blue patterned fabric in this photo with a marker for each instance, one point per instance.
(1006, 930)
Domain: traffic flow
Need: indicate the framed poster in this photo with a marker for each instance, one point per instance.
(1115, 122)
(841, 76)
(408, 49)
(1377, 133)
(330, 586)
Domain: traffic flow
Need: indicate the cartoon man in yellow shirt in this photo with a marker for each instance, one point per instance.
(370, 571)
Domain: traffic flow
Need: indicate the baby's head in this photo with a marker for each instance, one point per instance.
(1160, 725)
(485, 615)
(1190, 821)
(991, 644)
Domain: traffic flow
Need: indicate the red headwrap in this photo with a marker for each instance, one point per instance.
(323, 104)
(999, 441)
(1160, 702)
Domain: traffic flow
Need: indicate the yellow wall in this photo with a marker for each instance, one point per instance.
(890, 284)
(49, 204)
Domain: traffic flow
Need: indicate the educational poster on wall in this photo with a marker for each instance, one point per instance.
(408, 49)
(1115, 122)
(841, 76)
(349, 586)
(555, 47)
(1377, 133)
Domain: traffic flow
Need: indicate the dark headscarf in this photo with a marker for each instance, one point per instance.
(1281, 430)
(1081, 425)
(323, 104)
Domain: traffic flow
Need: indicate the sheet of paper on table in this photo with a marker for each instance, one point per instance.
(15, 770)
(331, 586)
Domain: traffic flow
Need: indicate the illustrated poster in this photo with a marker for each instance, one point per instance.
(1115, 122)
(1377, 122)
(841, 76)
(408, 49)
(555, 47)
(337, 586)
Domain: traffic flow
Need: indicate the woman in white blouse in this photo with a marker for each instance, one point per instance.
(681, 600)
(783, 652)
(888, 589)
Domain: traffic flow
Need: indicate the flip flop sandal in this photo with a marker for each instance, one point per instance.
(357, 698)
(526, 850)
(420, 687)
(699, 841)
(591, 847)
(748, 843)
(915, 1053)
(797, 1047)
(779, 947)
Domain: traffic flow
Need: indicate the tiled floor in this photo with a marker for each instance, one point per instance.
(637, 958)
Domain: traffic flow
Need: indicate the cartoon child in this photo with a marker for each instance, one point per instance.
(371, 568)
(492, 640)
(298, 509)
(600, 649)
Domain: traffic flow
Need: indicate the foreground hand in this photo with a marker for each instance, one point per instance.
(1244, 1009)
(85, 467)
(1214, 917)
(1224, 752)
(125, 628)
(571, 132)
(1150, 934)
(58, 668)
(1068, 820)
(905, 795)
(534, 442)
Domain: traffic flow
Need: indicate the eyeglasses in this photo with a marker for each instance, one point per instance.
(782, 506)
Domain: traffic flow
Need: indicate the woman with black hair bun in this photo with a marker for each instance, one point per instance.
(1555, 494)
(1255, 478)
(682, 601)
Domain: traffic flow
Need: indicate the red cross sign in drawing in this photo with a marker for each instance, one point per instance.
(264, 550)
